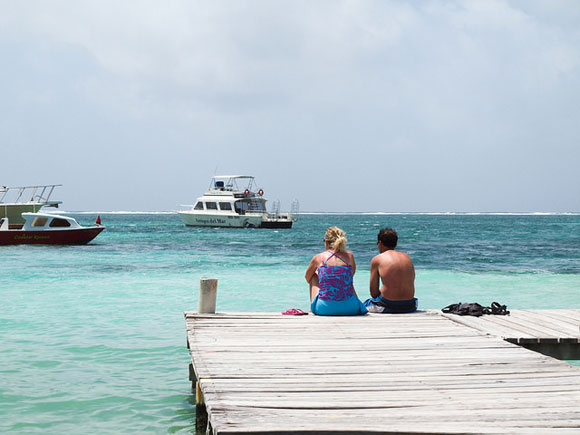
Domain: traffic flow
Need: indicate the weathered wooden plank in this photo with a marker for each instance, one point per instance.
(561, 324)
(355, 380)
(494, 326)
(474, 383)
(527, 326)
(571, 315)
(538, 325)
(433, 418)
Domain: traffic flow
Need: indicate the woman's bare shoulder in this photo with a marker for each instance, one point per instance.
(320, 257)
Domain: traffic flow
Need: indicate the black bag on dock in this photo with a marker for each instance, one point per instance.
(474, 309)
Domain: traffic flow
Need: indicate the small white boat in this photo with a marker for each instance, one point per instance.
(233, 201)
(48, 229)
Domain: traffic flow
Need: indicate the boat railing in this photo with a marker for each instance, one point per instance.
(294, 210)
(29, 194)
(229, 183)
(275, 210)
(276, 214)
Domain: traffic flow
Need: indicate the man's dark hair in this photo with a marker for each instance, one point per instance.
(388, 237)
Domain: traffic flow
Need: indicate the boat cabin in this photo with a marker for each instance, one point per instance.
(231, 193)
(45, 221)
(241, 206)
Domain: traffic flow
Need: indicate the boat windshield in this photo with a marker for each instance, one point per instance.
(39, 221)
(59, 223)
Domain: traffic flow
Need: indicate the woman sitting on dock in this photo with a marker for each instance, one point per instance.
(330, 275)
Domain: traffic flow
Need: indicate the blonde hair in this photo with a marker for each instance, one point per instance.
(336, 239)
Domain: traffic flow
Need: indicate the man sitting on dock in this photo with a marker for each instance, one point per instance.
(395, 271)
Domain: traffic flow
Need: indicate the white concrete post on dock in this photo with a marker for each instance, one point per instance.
(207, 295)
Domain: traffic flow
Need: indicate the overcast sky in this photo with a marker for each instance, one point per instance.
(387, 106)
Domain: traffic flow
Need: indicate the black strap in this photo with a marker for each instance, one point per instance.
(451, 308)
(498, 309)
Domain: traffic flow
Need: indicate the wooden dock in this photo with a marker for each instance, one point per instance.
(551, 332)
(406, 373)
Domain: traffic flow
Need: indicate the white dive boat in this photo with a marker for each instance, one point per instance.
(28, 199)
(233, 201)
(48, 229)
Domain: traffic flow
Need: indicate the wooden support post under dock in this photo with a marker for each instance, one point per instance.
(405, 373)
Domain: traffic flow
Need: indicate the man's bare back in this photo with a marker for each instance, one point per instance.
(392, 272)
(395, 271)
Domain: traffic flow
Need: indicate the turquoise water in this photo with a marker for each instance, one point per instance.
(93, 337)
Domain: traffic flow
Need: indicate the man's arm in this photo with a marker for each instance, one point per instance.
(375, 278)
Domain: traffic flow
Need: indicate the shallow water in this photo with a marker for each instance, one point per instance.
(93, 337)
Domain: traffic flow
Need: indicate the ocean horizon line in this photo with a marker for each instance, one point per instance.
(361, 213)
